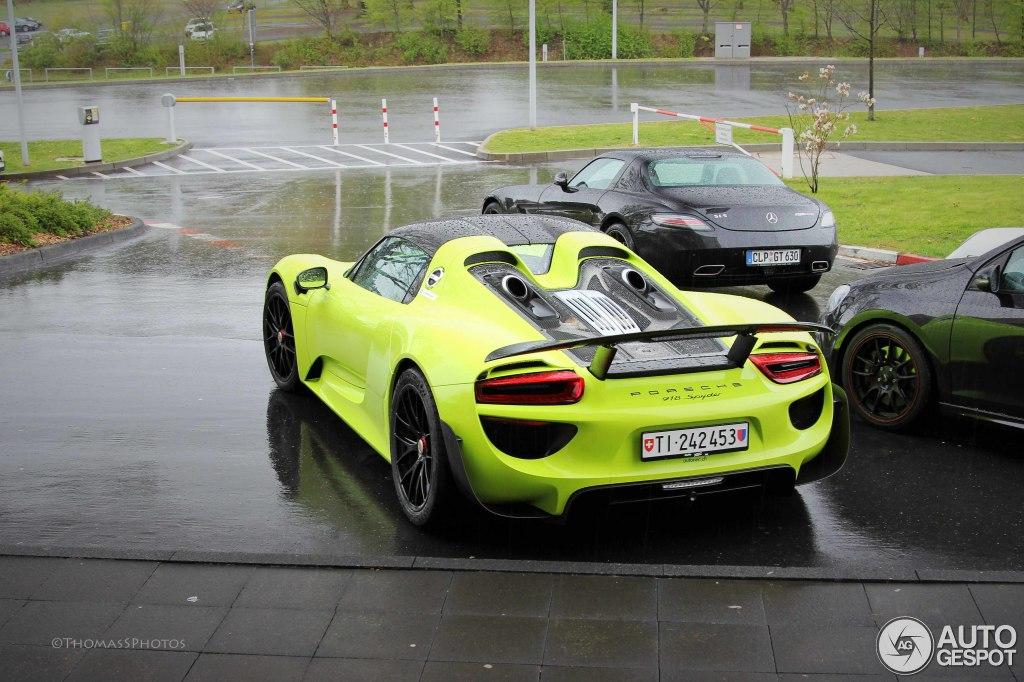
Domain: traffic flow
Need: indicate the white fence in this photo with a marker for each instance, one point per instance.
(9, 74)
(257, 69)
(127, 69)
(325, 67)
(62, 69)
(205, 69)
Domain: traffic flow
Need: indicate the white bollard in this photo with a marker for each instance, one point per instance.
(384, 115)
(787, 152)
(544, 52)
(920, 51)
(168, 102)
(437, 123)
(334, 122)
(181, 60)
(635, 108)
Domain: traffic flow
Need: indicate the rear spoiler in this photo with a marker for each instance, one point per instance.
(746, 339)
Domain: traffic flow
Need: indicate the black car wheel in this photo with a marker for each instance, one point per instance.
(419, 465)
(493, 208)
(620, 233)
(279, 338)
(794, 285)
(887, 376)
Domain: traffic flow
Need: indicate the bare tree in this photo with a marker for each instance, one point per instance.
(135, 20)
(863, 20)
(201, 9)
(640, 7)
(785, 6)
(705, 7)
(326, 13)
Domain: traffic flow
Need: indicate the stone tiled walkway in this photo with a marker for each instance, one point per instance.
(246, 622)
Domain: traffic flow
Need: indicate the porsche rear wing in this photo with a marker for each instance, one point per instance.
(746, 339)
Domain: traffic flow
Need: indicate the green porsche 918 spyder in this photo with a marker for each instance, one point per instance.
(528, 360)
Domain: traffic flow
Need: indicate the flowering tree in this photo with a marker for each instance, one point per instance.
(821, 115)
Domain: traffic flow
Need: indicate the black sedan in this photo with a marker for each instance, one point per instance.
(949, 332)
(703, 218)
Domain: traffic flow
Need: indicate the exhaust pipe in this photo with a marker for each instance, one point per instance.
(708, 270)
(516, 287)
(634, 280)
(819, 266)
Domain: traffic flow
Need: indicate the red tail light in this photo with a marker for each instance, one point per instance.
(560, 387)
(787, 368)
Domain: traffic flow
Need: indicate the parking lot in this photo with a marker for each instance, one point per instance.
(145, 417)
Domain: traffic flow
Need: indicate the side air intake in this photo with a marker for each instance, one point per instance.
(600, 312)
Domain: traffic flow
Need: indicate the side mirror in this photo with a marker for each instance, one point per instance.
(989, 281)
(313, 278)
(562, 180)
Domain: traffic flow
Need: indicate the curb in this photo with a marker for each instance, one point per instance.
(183, 147)
(883, 255)
(567, 154)
(45, 256)
(824, 573)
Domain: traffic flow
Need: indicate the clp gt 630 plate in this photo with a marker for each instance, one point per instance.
(773, 257)
(695, 441)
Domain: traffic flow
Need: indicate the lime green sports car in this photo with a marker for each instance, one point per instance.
(526, 361)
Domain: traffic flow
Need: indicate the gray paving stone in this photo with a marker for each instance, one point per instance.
(8, 607)
(211, 585)
(718, 647)
(489, 639)
(711, 601)
(220, 667)
(279, 632)
(135, 665)
(99, 580)
(379, 635)
(31, 663)
(711, 676)
(936, 605)
(556, 673)
(602, 643)
(437, 671)
(795, 677)
(191, 624)
(833, 649)
(294, 588)
(509, 594)
(402, 591)
(40, 622)
(362, 670)
(20, 576)
(599, 596)
(819, 603)
(1001, 604)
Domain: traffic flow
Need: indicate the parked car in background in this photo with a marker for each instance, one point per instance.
(703, 218)
(5, 29)
(199, 29)
(26, 24)
(66, 35)
(949, 332)
(24, 38)
(241, 6)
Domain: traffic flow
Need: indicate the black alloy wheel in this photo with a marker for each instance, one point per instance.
(279, 338)
(794, 285)
(887, 375)
(621, 234)
(419, 467)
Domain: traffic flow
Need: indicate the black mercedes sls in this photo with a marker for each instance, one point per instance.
(949, 332)
(701, 217)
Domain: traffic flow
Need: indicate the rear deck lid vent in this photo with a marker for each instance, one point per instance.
(600, 312)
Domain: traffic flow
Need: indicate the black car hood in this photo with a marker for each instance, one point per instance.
(930, 270)
(746, 209)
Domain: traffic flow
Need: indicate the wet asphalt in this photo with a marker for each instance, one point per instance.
(138, 412)
(477, 101)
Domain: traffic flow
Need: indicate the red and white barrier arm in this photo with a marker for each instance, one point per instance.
(437, 123)
(334, 122)
(384, 115)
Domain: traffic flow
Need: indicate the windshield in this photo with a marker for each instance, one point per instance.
(685, 171)
(986, 240)
(537, 257)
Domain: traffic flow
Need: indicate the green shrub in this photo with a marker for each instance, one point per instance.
(593, 40)
(220, 51)
(686, 42)
(421, 47)
(42, 53)
(974, 48)
(472, 40)
(23, 214)
(81, 52)
(13, 230)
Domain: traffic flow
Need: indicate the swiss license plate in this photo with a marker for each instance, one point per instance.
(700, 440)
(773, 257)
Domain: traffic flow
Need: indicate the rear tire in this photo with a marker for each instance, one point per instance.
(621, 234)
(794, 285)
(419, 459)
(279, 338)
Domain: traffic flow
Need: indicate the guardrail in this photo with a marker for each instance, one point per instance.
(324, 67)
(65, 69)
(9, 74)
(207, 69)
(723, 132)
(127, 69)
(256, 69)
(169, 101)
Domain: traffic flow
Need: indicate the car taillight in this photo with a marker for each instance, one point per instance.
(670, 220)
(786, 368)
(560, 387)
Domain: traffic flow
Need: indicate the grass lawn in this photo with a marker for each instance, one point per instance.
(1003, 123)
(929, 215)
(57, 154)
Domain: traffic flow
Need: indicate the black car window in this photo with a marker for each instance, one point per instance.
(685, 171)
(391, 269)
(1013, 272)
(598, 174)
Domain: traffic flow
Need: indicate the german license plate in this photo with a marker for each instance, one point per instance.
(700, 440)
(773, 257)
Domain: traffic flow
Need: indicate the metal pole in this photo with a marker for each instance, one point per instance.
(635, 108)
(787, 152)
(252, 37)
(615, 29)
(334, 122)
(16, 72)
(181, 60)
(437, 122)
(384, 115)
(533, 63)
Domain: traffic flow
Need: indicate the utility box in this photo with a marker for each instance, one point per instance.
(732, 40)
(89, 119)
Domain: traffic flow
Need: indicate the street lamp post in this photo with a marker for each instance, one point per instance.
(615, 29)
(533, 63)
(16, 72)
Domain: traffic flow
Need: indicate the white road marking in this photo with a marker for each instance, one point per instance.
(420, 151)
(134, 172)
(381, 151)
(457, 151)
(335, 164)
(201, 163)
(231, 158)
(284, 161)
(100, 175)
(170, 168)
(359, 158)
(62, 177)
